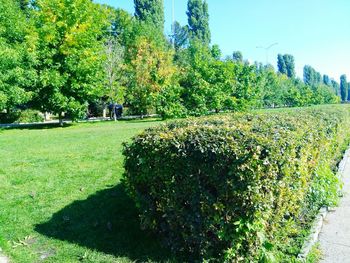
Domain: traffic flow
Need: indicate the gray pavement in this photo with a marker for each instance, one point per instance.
(3, 259)
(335, 234)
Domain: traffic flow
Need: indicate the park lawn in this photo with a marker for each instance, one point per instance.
(61, 199)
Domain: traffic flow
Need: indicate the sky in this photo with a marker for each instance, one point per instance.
(315, 32)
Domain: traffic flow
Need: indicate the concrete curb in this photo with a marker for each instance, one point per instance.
(313, 237)
(318, 223)
(3, 259)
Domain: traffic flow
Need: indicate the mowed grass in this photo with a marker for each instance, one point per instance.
(61, 199)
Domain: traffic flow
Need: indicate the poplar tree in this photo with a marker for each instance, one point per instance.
(281, 65)
(198, 20)
(286, 65)
(336, 87)
(290, 65)
(311, 76)
(237, 56)
(180, 37)
(326, 80)
(343, 88)
(151, 12)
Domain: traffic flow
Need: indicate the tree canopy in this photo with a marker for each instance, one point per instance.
(198, 20)
(150, 11)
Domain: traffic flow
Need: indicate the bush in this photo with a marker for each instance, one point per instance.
(238, 187)
(29, 116)
(25, 116)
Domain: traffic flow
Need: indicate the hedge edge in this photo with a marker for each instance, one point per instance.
(321, 216)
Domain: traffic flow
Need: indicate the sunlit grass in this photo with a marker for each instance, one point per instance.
(61, 198)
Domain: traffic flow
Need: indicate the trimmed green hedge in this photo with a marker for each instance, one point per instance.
(239, 187)
(25, 116)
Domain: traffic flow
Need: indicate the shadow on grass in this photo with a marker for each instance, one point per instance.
(139, 120)
(37, 126)
(107, 222)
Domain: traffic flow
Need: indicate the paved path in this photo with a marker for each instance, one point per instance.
(335, 234)
(3, 259)
(25, 125)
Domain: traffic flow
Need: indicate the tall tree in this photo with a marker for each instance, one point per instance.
(180, 37)
(150, 70)
(311, 76)
(336, 87)
(281, 64)
(216, 52)
(151, 12)
(286, 65)
(290, 65)
(113, 66)
(326, 80)
(237, 56)
(17, 56)
(198, 20)
(343, 88)
(70, 44)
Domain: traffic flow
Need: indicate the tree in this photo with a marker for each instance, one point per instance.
(336, 87)
(70, 44)
(281, 64)
(326, 80)
(216, 52)
(214, 85)
(17, 56)
(150, 70)
(24, 4)
(290, 65)
(311, 76)
(237, 56)
(318, 78)
(180, 37)
(198, 20)
(113, 66)
(122, 26)
(151, 12)
(343, 88)
(286, 65)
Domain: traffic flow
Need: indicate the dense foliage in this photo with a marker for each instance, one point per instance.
(68, 47)
(150, 11)
(16, 56)
(198, 20)
(237, 188)
(343, 88)
(65, 57)
(286, 65)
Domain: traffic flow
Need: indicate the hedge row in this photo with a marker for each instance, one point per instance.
(239, 187)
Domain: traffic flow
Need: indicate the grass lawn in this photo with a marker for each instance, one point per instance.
(60, 197)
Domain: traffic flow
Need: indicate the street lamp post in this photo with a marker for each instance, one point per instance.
(267, 49)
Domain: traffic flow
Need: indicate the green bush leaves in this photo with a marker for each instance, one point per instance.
(237, 187)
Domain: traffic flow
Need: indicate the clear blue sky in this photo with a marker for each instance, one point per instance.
(316, 32)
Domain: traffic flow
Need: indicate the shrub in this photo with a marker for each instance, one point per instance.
(238, 187)
(25, 116)
(29, 116)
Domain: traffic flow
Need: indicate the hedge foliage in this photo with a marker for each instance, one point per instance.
(239, 187)
(24, 116)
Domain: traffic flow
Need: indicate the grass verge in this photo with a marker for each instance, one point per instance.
(61, 200)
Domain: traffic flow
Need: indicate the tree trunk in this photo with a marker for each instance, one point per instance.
(60, 119)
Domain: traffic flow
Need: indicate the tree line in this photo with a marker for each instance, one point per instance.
(65, 56)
